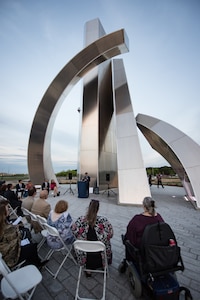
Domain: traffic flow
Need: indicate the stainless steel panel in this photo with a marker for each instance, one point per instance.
(182, 153)
(39, 152)
(133, 184)
(97, 142)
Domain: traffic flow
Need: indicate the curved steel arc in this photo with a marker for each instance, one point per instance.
(182, 153)
(39, 148)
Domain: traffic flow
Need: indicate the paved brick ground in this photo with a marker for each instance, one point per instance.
(180, 214)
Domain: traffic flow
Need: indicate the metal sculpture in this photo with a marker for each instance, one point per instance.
(182, 153)
(109, 143)
(39, 150)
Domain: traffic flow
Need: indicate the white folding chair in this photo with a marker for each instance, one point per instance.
(20, 283)
(34, 222)
(12, 211)
(32, 216)
(88, 247)
(25, 211)
(35, 226)
(65, 249)
(41, 220)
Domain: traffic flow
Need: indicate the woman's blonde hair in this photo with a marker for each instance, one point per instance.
(61, 206)
(149, 205)
(92, 212)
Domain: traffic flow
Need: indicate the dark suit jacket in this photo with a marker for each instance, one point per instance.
(44, 187)
(18, 188)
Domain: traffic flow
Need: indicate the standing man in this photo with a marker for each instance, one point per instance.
(159, 181)
(150, 180)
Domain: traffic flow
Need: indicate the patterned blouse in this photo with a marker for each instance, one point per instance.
(104, 232)
(63, 225)
(10, 246)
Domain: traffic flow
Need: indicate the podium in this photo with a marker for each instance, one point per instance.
(83, 189)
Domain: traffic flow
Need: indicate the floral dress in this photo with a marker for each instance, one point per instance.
(104, 232)
(63, 225)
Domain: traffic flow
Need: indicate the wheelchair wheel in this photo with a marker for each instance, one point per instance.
(187, 293)
(135, 281)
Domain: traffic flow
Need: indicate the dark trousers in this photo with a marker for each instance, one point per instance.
(30, 255)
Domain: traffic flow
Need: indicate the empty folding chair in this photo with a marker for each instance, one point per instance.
(88, 247)
(20, 283)
(65, 249)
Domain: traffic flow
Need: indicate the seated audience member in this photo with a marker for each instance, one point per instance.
(28, 201)
(40, 207)
(45, 185)
(2, 182)
(20, 187)
(138, 223)
(11, 242)
(54, 188)
(93, 228)
(13, 199)
(62, 221)
(27, 187)
(3, 188)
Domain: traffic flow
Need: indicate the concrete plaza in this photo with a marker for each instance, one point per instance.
(178, 213)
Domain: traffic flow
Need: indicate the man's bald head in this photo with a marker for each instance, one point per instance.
(44, 194)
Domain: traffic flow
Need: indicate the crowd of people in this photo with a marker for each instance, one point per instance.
(89, 226)
(13, 250)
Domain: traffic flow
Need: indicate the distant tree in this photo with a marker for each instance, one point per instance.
(61, 174)
(165, 170)
(66, 173)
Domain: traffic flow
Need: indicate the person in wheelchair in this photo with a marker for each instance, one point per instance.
(138, 223)
(152, 255)
(135, 229)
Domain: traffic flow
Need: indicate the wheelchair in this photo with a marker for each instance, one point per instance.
(152, 268)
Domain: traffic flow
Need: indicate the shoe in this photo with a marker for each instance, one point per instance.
(58, 194)
(42, 264)
(88, 274)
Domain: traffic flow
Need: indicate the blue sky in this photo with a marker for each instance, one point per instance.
(39, 37)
